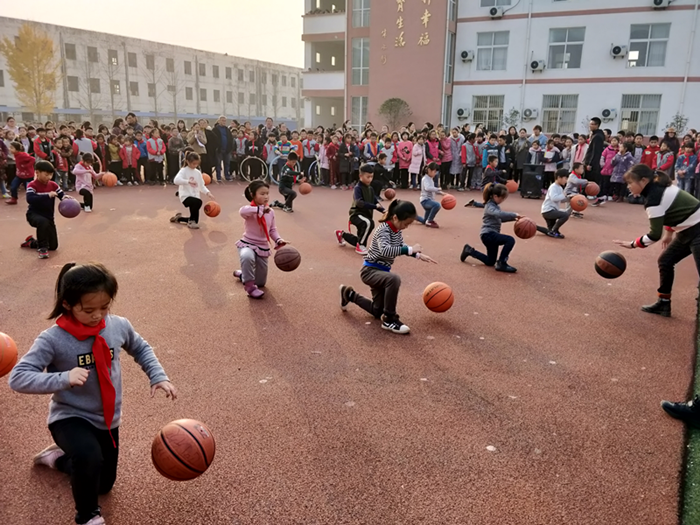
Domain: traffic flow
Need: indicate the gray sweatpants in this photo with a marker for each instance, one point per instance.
(556, 218)
(385, 292)
(253, 267)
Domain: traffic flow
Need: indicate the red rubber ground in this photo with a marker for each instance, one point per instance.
(321, 417)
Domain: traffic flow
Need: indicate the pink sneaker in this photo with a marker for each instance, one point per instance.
(253, 291)
(339, 236)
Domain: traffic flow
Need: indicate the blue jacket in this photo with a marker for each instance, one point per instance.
(142, 149)
(690, 167)
(488, 151)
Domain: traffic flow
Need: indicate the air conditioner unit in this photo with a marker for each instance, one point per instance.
(618, 51)
(463, 113)
(467, 56)
(660, 4)
(496, 12)
(608, 115)
(537, 65)
(530, 114)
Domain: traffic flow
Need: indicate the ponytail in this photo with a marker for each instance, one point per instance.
(401, 209)
(638, 172)
(253, 188)
(492, 190)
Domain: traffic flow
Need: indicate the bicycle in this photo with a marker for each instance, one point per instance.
(247, 174)
(274, 177)
(314, 174)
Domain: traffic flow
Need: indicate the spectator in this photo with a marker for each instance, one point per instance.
(225, 146)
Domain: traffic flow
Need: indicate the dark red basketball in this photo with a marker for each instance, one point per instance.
(212, 209)
(525, 228)
(610, 265)
(305, 188)
(448, 202)
(390, 194)
(183, 449)
(287, 258)
(512, 186)
(592, 189)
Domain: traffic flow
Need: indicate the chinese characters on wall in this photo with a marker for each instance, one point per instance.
(401, 37)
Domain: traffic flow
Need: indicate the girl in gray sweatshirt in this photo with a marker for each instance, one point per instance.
(77, 361)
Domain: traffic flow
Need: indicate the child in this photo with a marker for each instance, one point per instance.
(309, 150)
(115, 161)
(417, 158)
(555, 217)
(288, 176)
(575, 185)
(638, 149)
(41, 193)
(491, 235)
(404, 154)
(428, 189)
(101, 152)
(282, 150)
(387, 244)
(191, 185)
(254, 246)
(491, 176)
(84, 173)
(269, 155)
(176, 143)
(606, 169)
(551, 159)
(521, 149)
(470, 177)
(649, 155)
(535, 155)
(372, 149)
(78, 361)
(389, 151)
(381, 175)
(364, 202)
(685, 168)
(25, 171)
(622, 162)
(156, 153)
(43, 150)
(345, 156)
(130, 155)
(143, 157)
(456, 141)
(566, 154)
(323, 162)
(333, 161)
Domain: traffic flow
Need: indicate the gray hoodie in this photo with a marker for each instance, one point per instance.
(44, 370)
(493, 217)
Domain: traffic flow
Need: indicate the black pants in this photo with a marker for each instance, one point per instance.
(115, 167)
(90, 461)
(377, 185)
(87, 198)
(173, 165)
(205, 163)
(194, 204)
(618, 189)
(46, 236)
(305, 165)
(403, 178)
(684, 243)
(128, 174)
(605, 186)
(446, 177)
(289, 196)
(325, 176)
(344, 178)
(364, 226)
(156, 171)
(555, 219)
(517, 173)
(385, 292)
(493, 241)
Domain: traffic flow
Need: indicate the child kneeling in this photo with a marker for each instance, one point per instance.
(191, 184)
(551, 213)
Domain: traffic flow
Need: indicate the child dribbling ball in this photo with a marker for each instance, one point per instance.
(191, 185)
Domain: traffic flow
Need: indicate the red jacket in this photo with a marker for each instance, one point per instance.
(463, 154)
(25, 165)
(42, 149)
(135, 154)
(649, 156)
(61, 162)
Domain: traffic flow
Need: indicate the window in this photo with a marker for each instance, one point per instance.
(134, 89)
(112, 57)
(640, 113)
(240, 75)
(493, 3)
(318, 109)
(332, 111)
(489, 110)
(358, 112)
(94, 85)
(92, 54)
(2, 78)
(229, 73)
(264, 100)
(215, 71)
(565, 47)
(447, 109)
(284, 80)
(229, 97)
(188, 93)
(241, 97)
(294, 103)
(202, 70)
(70, 51)
(251, 99)
(452, 10)
(559, 113)
(492, 51)
(217, 95)
(360, 61)
(116, 87)
(150, 62)
(72, 84)
(294, 81)
(274, 101)
(263, 77)
(252, 77)
(171, 89)
(275, 79)
(360, 13)
(203, 95)
(188, 67)
(170, 65)
(284, 102)
(27, 117)
(151, 90)
(318, 58)
(449, 63)
(648, 45)
(301, 103)
(131, 59)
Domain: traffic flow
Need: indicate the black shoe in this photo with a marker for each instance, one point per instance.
(346, 296)
(466, 252)
(43, 254)
(503, 266)
(28, 242)
(688, 412)
(393, 324)
(287, 210)
(555, 235)
(470, 204)
(661, 307)
(598, 202)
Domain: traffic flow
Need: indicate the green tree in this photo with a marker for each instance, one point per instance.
(396, 111)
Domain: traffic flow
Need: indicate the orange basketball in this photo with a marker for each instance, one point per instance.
(525, 228)
(287, 258)
(305, 188)
(512, 186)
(438, 297)
(390, 194)
(109, 179)
(212, 209)
(578, 202)
(8, 354)
(592, 189)
(207, 179)
(448, 202)
(183, 449)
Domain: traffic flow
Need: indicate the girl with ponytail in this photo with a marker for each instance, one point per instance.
(191, 185)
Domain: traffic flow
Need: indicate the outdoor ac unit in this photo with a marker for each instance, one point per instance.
(530, 114)
(660, 4)
(609, 115)
(463, 113)
(537, 65)
(467, 56)
(618, 51)
(496, 12)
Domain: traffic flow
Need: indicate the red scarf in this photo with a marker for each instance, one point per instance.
(262, 222)
(103, 362)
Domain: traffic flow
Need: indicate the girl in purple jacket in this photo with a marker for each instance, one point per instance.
(622, 162)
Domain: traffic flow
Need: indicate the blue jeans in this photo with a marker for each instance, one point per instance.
(226, 159)
(431, 208)
(685, 183)
(493, 241)
(14, 187)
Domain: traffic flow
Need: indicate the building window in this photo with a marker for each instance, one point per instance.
(449, 63)
(116, 87)
(170, 65)
(27, 117)
(229, 73)
(131, 59)
(203, 95)
(360, 13)
(284, 102)
(252, 77)
(215, 71)
(94, 85)
(452, 10)
(152, 90)
(492, 51)
(229, 97)
(92, 54)
(640, 113)
(559, 113)
(360, 61)
(264, 100)
(358, 112)
(240, 75)
(332, 111)
(150, 62)
(251, 99)
(263, 78)
(112, 57)
(447, 109)
(318, 109)
(2, 78)
(70, 51)
(202, 70)
(493, 3)
(565, 47)
(301, 103)
(134, 89)
(188, 67)
(217, 95)
(284, 80)
(188, 93)
(488, 109)
(294, 103)
(294, 81)
(241, 97)
(171, 89)
(274, 101)
(648, 45)
(72, 84)
(275, 79)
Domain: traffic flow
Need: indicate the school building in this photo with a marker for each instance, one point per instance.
(634, 63)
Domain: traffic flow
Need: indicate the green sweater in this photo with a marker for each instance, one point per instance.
(667, 207)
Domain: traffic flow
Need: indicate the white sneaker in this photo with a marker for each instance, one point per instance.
(193, 225)
(87, 209)
(48, 456)
(610, 199)
(334, 187)
(97, 520)
(129, 184)
(136, 183)
(120, 183)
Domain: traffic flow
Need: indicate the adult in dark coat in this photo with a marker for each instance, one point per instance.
(213, 146)
(595, 150)
(224, 148)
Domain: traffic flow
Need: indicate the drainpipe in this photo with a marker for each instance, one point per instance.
(688, 58)
(526, 60)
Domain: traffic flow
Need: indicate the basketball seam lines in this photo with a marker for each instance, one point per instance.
(178, 457)
(201, 448)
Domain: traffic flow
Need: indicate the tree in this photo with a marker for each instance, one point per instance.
(33, 67)
(175, 86)
(90, 88)
(511, 118)
(679, 122)
(396, 111)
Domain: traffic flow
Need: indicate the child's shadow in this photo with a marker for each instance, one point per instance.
(201, 267)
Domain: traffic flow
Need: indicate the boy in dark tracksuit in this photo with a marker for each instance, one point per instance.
(364, 202)
(288, 176)
(380, 179)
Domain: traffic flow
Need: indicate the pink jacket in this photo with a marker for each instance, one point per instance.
(254, 233)
(432, 146)
(417, 157)
(403, 151)
(446, 147)
(83, 177)
(606, 159)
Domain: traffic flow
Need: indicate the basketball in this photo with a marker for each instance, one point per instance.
(69, 208)
(578, 202)
(207, 179)
(183, 449)
(212, 209)
(438, 297)
(390, 194)
(109, 179)
(512, 186)
(287, 258)
(525, 228)
(448, 202)
(610, 265)
(305, 188)
(592, 189)
(8, 354)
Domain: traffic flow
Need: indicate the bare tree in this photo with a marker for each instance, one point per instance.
(175, 85)
(153, 73)
(112, 73)
(90, 97)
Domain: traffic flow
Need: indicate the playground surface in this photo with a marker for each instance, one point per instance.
(534, 400)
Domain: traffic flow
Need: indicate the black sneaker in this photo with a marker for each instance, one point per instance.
(555, 235)
(470, 204)
(346, 294)
(393, 324)
(598, 202)
(43, 254)
(466, 252)
(688, 412)
(28, 242)
(503, 266)
(287, 210)
(577, 214)
(661, 307)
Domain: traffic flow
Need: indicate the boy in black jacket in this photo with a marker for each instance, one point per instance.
(380, 180)
(288, 176)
